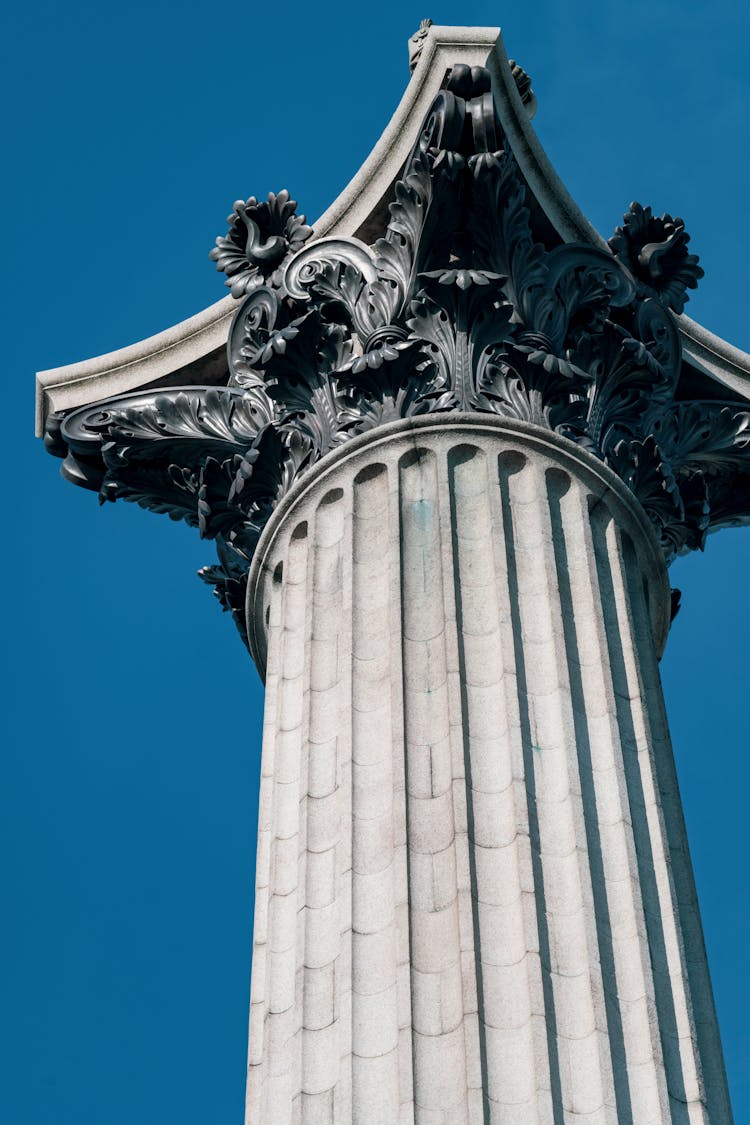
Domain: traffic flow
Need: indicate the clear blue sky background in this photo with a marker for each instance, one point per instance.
(131, 711)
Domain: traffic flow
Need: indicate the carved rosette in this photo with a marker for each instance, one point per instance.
(462, 305)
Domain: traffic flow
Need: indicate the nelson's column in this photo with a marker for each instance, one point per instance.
(446, 442)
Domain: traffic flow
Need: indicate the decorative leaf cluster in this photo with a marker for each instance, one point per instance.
(655, 251)
(260, 236)
(460, 306)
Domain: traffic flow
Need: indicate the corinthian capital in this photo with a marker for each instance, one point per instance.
(469, 299)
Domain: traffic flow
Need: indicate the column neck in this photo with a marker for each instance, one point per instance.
(388, 444)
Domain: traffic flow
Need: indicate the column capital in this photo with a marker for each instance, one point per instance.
(470, 301)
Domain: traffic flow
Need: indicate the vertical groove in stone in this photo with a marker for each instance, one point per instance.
(573, 966)
(637, 1070)
(320, 818)
(259, 979)
(544, 1028)
(439, 1061)
(641, 743)
(686, 901)
(455, 472)
(391, 542)
(281, 967)
(375, 1060)
(502, 979)
(342, 1107)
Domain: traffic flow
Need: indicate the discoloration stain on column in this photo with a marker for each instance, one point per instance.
(439, 1062)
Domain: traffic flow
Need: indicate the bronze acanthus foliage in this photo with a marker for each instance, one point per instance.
(460, 306)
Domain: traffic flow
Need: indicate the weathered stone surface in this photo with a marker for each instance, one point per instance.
(504, 924)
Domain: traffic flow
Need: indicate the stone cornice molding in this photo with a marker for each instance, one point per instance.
(192, 352)
(198, 342)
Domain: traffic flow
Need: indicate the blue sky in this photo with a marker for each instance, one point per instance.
(132, 712)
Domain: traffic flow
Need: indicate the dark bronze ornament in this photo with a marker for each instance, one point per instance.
(462, 305)
(260, 237)
(655, 251)
(523, 85)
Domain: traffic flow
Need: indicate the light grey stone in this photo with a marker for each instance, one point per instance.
(459, 934)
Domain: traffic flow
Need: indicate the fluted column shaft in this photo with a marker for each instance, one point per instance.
(474, 899)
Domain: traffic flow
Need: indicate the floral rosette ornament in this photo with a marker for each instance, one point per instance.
(655, 251)
(260, 237)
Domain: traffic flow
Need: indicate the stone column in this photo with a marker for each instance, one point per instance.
(474, 899)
